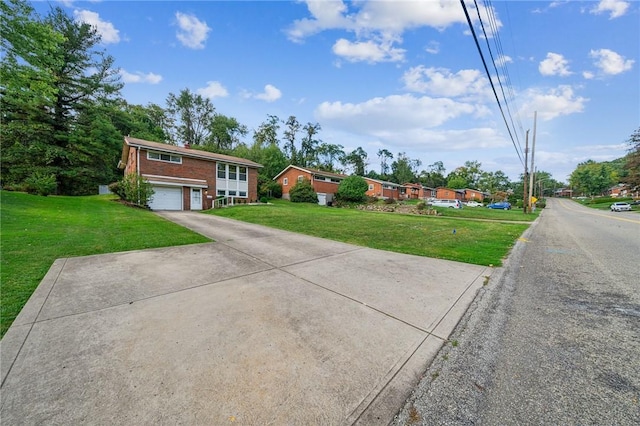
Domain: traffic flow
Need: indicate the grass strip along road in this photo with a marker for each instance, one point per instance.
(470, 241)
(38, 230)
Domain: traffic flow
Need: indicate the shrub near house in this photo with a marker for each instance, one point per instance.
(302, 192)
(353, 189)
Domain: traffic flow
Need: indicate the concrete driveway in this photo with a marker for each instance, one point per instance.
(260, 327)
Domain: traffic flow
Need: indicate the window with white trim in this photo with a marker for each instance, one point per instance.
(285, 181)
(232, 179)
(370, 187)
(300, 178)
(158, 156)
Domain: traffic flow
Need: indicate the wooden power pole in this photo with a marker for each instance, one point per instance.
(525, 204)
(533, 151)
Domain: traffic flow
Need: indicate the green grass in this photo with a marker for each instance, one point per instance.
(37, 230)
(477, 242)
(604, 203)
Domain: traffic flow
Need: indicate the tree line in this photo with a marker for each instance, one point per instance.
(591, 178)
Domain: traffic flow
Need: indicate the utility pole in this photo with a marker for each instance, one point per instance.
(533, 150)
(525, 204)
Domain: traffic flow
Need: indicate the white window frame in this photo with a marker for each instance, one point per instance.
(176, 159)
(229, 186)
(285, 181)
(300, 178)
(370, 187)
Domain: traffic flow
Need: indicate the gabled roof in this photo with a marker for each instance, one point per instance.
(311, 172)
(383, 182)
(186, 152)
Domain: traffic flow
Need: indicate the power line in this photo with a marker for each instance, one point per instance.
(493, 87)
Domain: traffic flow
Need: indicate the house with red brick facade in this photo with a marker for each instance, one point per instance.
(383, 189)
(449, 194)
(474, 195)
(189, 179)
(325, 184)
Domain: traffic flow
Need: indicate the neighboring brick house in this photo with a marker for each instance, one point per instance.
(449, 194)
(382, 189)
(413, 191)
(473, 195)
(324, 183)
(620, 190)
(189, 179)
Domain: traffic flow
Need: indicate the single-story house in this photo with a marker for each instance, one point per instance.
(324, 183)
(189, 179)
(563, 192)
(382, 189)
(449, 194)
(474, 195)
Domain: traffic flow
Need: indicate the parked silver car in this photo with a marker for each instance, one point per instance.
(620, 207)
(453, 204)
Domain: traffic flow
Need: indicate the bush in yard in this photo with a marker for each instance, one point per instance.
(302, 192)
(41, 184)
(270, 189)
(117, 188)
(389, 200)
(136, 189)
(353, 189)
(421, 205)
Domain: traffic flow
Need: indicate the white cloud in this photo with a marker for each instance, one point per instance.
(108, 33)
(503, 60)
(377, 25)
(214, 89)
(139, 77)
(467, 84)
(193, 32)
(433, 47)
(588, 75)
(553, 103)
(555, 64)
(381, 117)
(610, 62)
(615, 8)
(270, 94)
(368, 51)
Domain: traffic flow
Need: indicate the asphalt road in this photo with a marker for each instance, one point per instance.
(554, 338)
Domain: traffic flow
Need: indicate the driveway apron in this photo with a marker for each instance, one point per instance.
(260, 327)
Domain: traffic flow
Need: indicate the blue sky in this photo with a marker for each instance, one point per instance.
(401, 75)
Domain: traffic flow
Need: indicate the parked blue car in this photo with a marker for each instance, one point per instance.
(502, 205)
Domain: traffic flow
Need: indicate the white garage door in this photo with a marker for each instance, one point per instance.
(166, 198)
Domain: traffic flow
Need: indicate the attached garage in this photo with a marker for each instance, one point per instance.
(166, 198)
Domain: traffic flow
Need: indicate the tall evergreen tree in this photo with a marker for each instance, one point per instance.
(52, 77)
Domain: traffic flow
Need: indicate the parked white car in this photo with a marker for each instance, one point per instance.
(454, 204)
(473, 204)
(620, 207)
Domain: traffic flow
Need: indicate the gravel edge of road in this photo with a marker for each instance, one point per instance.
(450, 391)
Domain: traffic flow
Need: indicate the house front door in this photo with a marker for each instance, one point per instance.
(196, 199)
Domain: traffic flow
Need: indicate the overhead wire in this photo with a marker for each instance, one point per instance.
(493, 87)
(503, 64)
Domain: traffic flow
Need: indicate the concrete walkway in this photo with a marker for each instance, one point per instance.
(260, 327)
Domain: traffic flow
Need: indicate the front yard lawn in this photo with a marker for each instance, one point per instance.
(37, 230)
(477, 242)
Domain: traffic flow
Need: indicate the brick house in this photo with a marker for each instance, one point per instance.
(382, 189)
(449, 194)
(324, 183)
(474, 195)
(413, 191)
(189, 179)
